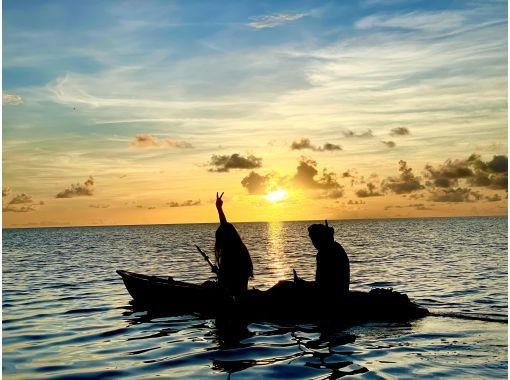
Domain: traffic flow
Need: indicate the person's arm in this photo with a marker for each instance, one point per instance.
(219, 207)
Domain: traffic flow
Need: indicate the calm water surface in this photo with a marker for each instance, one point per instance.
(67, 314)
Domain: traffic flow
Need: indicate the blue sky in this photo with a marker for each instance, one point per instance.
(82, 79)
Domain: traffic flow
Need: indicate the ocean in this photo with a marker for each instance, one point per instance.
(67, 314)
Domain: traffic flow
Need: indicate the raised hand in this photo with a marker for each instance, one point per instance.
(219, 201)
(219, 204)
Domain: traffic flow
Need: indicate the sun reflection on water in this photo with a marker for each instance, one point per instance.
(278, 265)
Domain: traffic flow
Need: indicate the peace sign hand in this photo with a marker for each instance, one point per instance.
(219, 201)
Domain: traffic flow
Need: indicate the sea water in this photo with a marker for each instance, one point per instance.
(66, 313)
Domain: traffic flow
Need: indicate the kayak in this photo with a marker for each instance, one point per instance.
(286, 300)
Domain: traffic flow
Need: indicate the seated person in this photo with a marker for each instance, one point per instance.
(333, 272)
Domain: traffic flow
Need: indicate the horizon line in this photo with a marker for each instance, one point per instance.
(255, 221)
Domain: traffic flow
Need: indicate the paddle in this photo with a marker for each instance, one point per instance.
(214, 268)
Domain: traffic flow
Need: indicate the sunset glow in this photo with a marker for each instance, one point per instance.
(140, 114)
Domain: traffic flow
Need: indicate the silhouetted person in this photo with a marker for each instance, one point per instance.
(333, 272)
(232, 256)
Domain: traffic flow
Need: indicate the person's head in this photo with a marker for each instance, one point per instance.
(321, 235)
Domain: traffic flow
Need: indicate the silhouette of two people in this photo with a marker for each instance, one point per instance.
(234, 266)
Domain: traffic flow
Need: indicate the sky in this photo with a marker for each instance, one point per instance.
(129, 112)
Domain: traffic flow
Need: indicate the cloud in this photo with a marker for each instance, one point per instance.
(498, 164)
(9, 99)
(333, 194)
(429, 22)
(224, 163)
(99, 206)
(177, 144)
(144, 141)
(400, 131)
(494, 198)
(475, 172)
(454, 195)
(20, 199)
(18, 209)
(149, 141)
(448, 174)
(389, 144)
(270, 21)
(187, 203)
(351, 134)
(256, 183)
(304, 143)
(406, 183)
(78, 190)
(306, 173)
(369, 192)
(330, 147)
(351, 202)
(5, 192)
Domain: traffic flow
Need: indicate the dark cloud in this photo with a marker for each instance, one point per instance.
(454, 195)
(78, 190)
(99, 206)
(367, 134)
(351, 202)
(305, 143)
(405, 183)
(143, 140)
(306, 176)
(499, 164)
(389, 144)
(368, 192)
(224, 163)
(400, 131)
(187, 203)
(21, 198)
(330, 147)
(255, 183)
(473, 170)
(448, 174)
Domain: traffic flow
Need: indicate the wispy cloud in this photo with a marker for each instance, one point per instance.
(431, 21)
(270, 21)
(10, 99)
(149, 141)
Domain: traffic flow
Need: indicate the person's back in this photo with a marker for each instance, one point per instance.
(332, 276)
(333, 272)
(232, 256)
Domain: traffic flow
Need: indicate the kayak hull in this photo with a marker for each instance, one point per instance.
(284, 301)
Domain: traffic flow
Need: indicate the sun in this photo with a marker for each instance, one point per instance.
(276, 196)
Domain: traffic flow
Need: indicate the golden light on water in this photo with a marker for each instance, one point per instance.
(276, 196)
